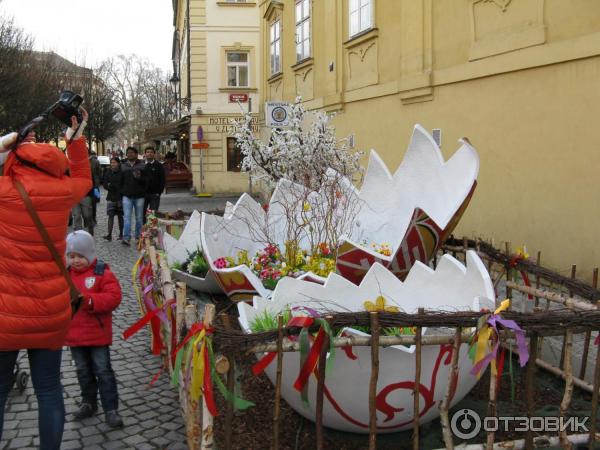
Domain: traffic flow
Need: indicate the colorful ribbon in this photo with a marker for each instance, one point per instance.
(203, 363)
(521, 255)
(309, 356)
(145, 319)
(488, 329)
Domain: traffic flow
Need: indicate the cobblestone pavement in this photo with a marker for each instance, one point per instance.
(151, 414)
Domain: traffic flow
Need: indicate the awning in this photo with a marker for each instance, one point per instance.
(171, 130)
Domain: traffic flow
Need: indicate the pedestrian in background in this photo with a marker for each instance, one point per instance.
(90, 332)
(83, 213)
(155, 174)
(97, 180)
(113, 183)
(134, 192)
(35, 299)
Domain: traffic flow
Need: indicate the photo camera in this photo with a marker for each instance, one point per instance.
(67, 106)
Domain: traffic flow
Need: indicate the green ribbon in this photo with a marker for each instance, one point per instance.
(331, 360)
(238, 402)
(304, 348)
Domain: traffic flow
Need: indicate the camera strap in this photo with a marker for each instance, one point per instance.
(75, 294)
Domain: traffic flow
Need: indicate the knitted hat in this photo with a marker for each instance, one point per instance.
(83, 243)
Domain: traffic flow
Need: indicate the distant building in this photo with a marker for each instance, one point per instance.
(221, 73)
(71, 76)
(519, 78)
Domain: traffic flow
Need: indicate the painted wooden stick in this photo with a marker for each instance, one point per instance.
(553, 297)
(320, 390)
(492, 406)
(193, 419)
(530, 386)
(517, 444)
(230, 387)
(207, 419)
(562, 351)
(416, 393)
(594, 414)
(566, 401)
(278, 378)
(373, 382)
(588, 335)
(538, 261)
(450, 391)
(180, 296)
(508, 270)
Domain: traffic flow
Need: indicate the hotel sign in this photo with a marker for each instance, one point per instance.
(225, 124)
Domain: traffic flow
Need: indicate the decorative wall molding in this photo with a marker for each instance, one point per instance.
(304, 81)
(502, 4)
(519, 27)
(363, 64)
(276, 89)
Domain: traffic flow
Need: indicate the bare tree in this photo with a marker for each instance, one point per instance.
(140, 90)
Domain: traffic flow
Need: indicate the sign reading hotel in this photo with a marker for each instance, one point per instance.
(225, 124)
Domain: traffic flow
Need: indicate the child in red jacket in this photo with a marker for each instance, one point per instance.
(90, 332)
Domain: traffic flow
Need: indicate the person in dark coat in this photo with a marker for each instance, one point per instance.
(134, 191)
(113, 183)
(155, 174)
(97, 180)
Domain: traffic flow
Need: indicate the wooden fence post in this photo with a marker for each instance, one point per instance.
(192, 416)
(374, 377)
(230, 387)
(207, 419)
(278, 382)
(450, 391)
(416, 393)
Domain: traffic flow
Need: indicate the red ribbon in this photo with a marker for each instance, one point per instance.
(513, 263)
(263, 363)
(173, 337)
(196, 328)
(144, 320)
(500, 369)
(311, 361)
(208, 387)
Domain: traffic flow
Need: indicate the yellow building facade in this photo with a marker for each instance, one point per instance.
(218, 82)
(520, 78)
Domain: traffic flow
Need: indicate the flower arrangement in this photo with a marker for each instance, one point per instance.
(195, 264)
(271, 264)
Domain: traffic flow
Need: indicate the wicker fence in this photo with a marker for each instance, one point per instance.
(560, 308)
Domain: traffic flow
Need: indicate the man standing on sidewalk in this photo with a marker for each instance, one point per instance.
(134, 191)
(155, 174)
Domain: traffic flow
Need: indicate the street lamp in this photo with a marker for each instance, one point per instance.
(174, 82)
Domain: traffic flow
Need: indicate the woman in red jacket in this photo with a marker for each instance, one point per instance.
(90, 332)
(35, 305)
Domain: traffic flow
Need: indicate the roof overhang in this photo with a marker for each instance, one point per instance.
(171, 130)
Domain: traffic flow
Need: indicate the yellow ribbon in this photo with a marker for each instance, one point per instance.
(198, 365)
(138, 295)
(483, 338)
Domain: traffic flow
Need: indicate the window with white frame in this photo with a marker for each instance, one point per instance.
(302, 29)
(275, 42)
(237, 69)
(361, 16)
